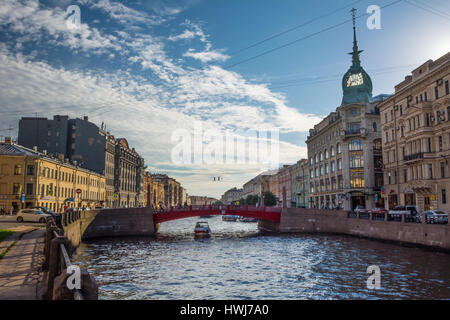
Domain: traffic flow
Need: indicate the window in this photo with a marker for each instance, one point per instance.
(374, 127)
(355, 145)
(385, 118)
(440, 143)
(430, 171)
(401, 110)
(387, 136)
(354, 127)
(321, 156)
(333, 166)
(354, 113)
(377, 145)
(356, 161)
(429, 145)
(321, 170)
(444, 196)
(317, 158)
(17, 188)
(339, 164)
(17, 169)
(436, 92)
(29, 188)
(30, 170)
(311, 173)
(338, 147)
(357, 181)
(327, 168)
(442, 169)
(327, 155)
(311, 161)
(405, 175)
(447, 89)
(332, 150)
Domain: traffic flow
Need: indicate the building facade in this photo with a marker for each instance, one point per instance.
(30, 178)
(284, 185)
(127, 176)
(344, 149)
(232, 195)
(110, 153)
(77, 139)
(416, 138)
(299, 184)
(172, 190)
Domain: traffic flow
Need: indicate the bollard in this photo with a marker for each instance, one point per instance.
(386, 216)
(357, 215)
(403, 217)
(370, 216)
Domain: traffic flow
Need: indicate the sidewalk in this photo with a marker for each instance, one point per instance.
(21, 277)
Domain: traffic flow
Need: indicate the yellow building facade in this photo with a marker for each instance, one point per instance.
(29, 178)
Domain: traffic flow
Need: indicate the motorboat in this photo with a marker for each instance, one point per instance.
(230, 218)
(248, 219)
(202, 229)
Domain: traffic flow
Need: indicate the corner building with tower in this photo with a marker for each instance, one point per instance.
(345, 148)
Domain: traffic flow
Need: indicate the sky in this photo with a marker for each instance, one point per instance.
(149, 68)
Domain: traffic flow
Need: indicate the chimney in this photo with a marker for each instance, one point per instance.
(8, 140)
(44, 152)
(35, 149)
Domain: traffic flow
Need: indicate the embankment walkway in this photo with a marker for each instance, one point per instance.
(21, 276)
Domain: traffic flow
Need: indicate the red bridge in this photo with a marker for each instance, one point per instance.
(263, 213)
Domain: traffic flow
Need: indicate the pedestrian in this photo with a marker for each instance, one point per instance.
(11, 210)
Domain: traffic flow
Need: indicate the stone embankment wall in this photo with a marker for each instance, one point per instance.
(297, 220)
(111, 223)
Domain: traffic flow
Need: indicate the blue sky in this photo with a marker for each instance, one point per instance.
(147, 68)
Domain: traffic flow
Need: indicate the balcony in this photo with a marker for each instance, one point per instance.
(415, 156)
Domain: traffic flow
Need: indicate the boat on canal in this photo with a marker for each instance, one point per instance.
(202, 229)
(248, 219)
(230, 218)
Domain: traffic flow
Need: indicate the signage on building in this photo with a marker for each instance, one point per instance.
(432, 197)
(78, 191)
(115, 196)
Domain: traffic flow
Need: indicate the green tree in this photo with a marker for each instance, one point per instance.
(251, 200)
(269, 199)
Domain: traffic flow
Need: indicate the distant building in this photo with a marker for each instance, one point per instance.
(31, 178)
(266, 181)
(284, 183)
(172, 189)
(202, 200)
(129, 166)
(299, 184)
(77, 139)
(231, 195)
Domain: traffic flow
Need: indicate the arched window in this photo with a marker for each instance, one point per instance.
(327, 155)
(355, 145)
(353, 113)
(338, 148)
(332, 151)
(321, 156)
(317, 158)
(377, 144)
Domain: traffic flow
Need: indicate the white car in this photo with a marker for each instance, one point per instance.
(33, 215)
(434, 216)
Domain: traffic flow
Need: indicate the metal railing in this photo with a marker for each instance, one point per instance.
(56, 252)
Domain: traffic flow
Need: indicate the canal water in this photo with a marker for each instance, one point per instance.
(238, 262)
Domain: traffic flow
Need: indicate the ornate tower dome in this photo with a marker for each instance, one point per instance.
(356, 83)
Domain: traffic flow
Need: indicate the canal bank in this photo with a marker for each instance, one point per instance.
(298, 220)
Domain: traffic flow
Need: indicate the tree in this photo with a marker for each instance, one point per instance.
(251, 200)
(269, 199)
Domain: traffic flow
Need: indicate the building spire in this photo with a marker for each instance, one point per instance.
(355, 54)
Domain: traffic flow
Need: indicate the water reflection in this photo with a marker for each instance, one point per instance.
(238, 262)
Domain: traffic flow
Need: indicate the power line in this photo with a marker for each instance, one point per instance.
(429, 9)
(304, 38)
(293, 28)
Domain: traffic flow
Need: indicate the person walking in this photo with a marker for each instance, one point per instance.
(11, 210)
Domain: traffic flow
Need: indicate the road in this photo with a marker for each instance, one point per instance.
(8, 222)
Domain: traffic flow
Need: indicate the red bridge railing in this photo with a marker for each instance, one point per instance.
(174, 213)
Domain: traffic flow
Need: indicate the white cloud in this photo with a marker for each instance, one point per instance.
(206, 56)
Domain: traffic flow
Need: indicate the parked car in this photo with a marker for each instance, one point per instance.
(411, 212)
(360, 209)
(33, 215)
(434, 216)
(379, 210)
(56, 216)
